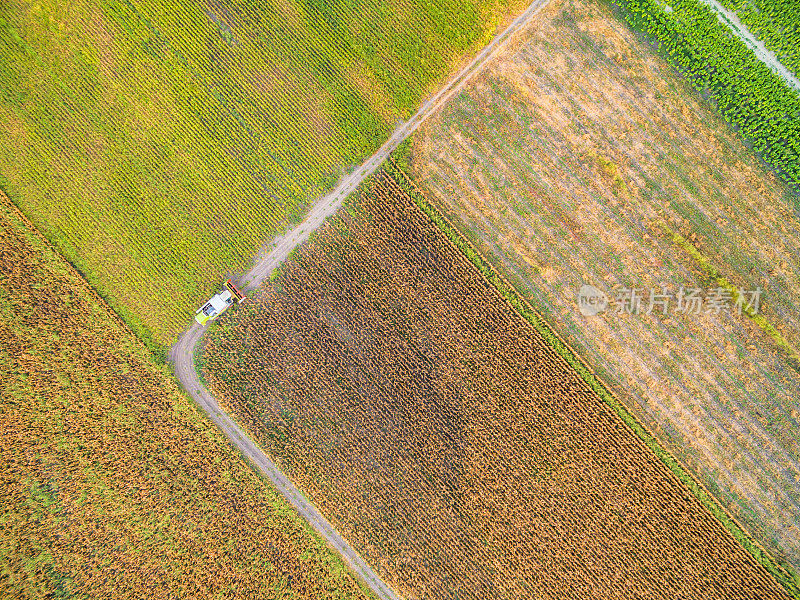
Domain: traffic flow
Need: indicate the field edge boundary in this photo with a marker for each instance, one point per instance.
(788, 579)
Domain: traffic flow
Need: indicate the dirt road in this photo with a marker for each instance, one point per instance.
(183, 357)
(182, 354)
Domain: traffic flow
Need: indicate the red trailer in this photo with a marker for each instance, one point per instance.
(235, 291)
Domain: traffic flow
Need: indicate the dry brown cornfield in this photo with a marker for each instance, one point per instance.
(113, 484)
(445, 439)
(559, 163)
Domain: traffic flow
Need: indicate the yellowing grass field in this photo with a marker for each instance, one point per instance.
(161, 144)
(114, 485)
(446, 439)
(581, 158)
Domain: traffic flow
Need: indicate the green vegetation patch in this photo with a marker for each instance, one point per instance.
(774, 22)
(751, 97)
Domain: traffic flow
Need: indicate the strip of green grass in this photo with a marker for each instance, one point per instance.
(709, 269)
(786, 576)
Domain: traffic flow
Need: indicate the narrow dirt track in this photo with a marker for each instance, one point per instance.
(763, 54)
(182, 353)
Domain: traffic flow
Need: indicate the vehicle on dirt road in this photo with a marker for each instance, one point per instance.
(219, 303)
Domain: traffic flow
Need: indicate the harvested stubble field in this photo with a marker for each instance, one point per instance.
(114, 485)
(159, 144)
(559, 163)
(445, 439)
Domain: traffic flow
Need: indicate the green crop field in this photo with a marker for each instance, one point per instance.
(159, 144)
